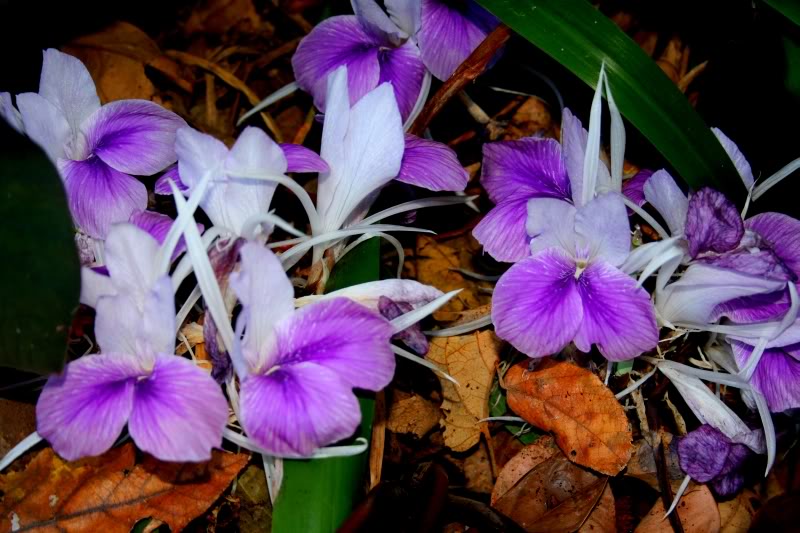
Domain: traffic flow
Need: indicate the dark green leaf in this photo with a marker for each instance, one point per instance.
(788, 8)
(579, 37)
(40, 276)
(318, 495)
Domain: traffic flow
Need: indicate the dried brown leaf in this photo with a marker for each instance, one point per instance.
(736, 515)
(530, 118)
(413, 414)
(697, 511)
(17, 421)
(471, 360)
(589, 424)
(110, 493)
(221, 16)
(603, 518)
(526, 460)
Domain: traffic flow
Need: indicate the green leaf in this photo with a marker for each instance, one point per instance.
(788, 8)
(318, 495)
(580, 38)
(40, 273)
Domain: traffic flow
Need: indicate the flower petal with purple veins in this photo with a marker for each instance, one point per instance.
(342, 336)
(44, 124)
(10, 113)
(777, 376)
(302, 159)
(634, 187)
(663, 193)
(412, 336)
(179, 412)
(449, 32)
(782, 234)
(134, 136)
(502, 231)
(713, 223)
(296, 409)
(67, 84)
(751, 261)
(618, 316)
(573, 153)
(399, 290)
(603, 229)
(403, 68)
(99, 195)
(536, 305)
(738, 158)
(731, 479)
(332, 43)
(162, 183)
(431, 165)
(757, 308)
(261, 278)
(374, 20)
(703, 453)
(524, 169)
(82, 411)
(198, 154)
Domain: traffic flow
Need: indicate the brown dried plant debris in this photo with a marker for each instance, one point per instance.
(110, 493)
(588, 422)
(697, 511)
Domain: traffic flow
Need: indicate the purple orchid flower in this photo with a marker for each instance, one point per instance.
(571, 289)
(173, 409)
(399, 46)
(707, 455)
(96, 148)
(298, 368)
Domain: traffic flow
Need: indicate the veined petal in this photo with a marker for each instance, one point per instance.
(261, 278)
(736, 155)
(536, 305)
(67, 84)
(342, 336)
(302, 159)
(130, 254)
(10, 113)
(82, 411)
(133, 136)
(634, 187)
(99, 195)
(332, 43)
(198, 153)
(777, 376)
(712, 223)
(404, 69)
(757, 308)
(179, 412)
(399, 290)
(431, 165)
(551, 224)
(782, 234)
(502, 231)
(369, 157)
(448, 34)
(524, 169)
(45, 124)
(703, 453)
(573, 152)
(751, 261)
(603, 229)
(618, 316)
(297, 409)
(162, 183)
(663, 193)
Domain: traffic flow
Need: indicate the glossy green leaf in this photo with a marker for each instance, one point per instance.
(40, 273)
(579, 37)
(788, 8)
(318, 495)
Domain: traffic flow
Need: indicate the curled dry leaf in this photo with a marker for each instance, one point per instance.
(526, 460)
(697, 511)
(110, 493)
(588, 422)
(471, 360)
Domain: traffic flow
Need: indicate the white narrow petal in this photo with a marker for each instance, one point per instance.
(412, 317)
(776, 178)
(617, 140)
(592, 156)
(663, 193)
(368, 294)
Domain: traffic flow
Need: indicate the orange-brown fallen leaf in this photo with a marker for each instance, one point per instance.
(526, 460)
(588, 422)
(412, 414)
(471, 360)
(736, 515)
(110, 493)
(697, 511)
(603, 518)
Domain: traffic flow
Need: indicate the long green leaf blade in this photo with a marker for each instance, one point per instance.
(788, 8)
(579, 37)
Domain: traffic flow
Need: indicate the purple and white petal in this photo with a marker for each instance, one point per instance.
(134, 136)
(130, 254)
(618, 316)
(94, 285)
(9, 113)
(342, 336)
(179, 412)
(157, 324)
(99, 195)
(296, 409)
(758, 308)
(777, 376)
(198, 154)
(332, 43)
(536, 305)
(449, 33)
(736, 155)
(67, 84)
(573, 152)
(404, 69)
(663, 193)
(634, 187)
(255, 152)
(405, 14)
(431, 165)
(524, 169)
(162, 183)
(158, 225)
(751, 261)
(603, 229)
(551, 224)
(261, 278)
(82, 411)
(713, 223)
(399, 290)
(375, 21)
(782, 234)
(44, 124)
(302, 159)
(412, 336)
(703, 453)
(502, 231)
(365, 158)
